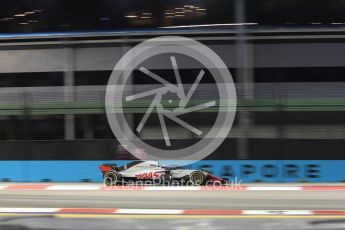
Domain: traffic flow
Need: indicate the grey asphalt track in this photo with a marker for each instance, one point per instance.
(45, 223)
(282, 200)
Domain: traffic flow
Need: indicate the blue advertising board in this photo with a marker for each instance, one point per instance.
(244, 170)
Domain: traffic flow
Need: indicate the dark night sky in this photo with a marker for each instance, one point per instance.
(86, 15)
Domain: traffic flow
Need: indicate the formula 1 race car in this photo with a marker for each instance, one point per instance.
(151, 171)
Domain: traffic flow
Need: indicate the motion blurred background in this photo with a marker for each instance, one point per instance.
(287, 59)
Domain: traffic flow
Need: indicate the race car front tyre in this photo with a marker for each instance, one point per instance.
(111, 178)
(197, 178)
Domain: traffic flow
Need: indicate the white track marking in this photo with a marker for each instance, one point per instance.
(177, 188)
(258, 188)
(149, 211)
(277, 212)
(74, 187)
(29, 210)
(171, 211)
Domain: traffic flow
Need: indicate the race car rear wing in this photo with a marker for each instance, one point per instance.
(108, 167)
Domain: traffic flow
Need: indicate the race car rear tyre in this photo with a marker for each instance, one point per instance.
(197, 178)
(111, 178)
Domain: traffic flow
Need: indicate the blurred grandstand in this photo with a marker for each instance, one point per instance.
(287, 65)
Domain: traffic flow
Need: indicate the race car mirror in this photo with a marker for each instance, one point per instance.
(195, 81)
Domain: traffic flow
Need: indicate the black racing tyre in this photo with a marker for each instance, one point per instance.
(197, 178)
(111, 178)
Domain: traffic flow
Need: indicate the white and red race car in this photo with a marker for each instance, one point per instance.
(152, 171)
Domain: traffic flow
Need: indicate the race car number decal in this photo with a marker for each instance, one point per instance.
(150, 175)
